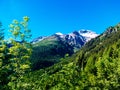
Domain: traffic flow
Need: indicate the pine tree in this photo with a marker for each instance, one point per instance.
(1, 32)
(4, 72)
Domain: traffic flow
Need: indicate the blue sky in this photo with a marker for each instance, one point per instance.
(51, 16)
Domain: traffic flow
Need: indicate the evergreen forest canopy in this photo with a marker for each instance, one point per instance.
(96, 66)
(49, 52)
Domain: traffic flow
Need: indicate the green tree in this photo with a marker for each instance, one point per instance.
(1, 32)
(15, 55)
(20, 51)
(3, 60)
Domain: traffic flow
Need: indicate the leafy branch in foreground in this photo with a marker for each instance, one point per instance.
(15, 55)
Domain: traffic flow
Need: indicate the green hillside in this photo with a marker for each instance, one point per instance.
(48, 52)
(95, 67)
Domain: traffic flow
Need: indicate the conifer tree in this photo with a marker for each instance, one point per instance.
(3, 60)
(1, 32)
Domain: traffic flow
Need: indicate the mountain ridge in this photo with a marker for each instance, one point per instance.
(76, 38)
(49, 50)
(82, 32)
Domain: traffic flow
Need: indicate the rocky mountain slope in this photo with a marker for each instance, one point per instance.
(76, 39)
(51, 49)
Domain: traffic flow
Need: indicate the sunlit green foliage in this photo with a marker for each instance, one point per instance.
(15, 55)
(20, 51)
(95, 67)
(48, 52)
(3, 60)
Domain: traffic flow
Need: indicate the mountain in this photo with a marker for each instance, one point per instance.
(76, 39)
(88, 34)
(38, 39)
(84, 34)
(95, 67)
(51, 49)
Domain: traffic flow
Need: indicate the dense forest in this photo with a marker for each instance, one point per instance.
(48, 52)
(96, 66)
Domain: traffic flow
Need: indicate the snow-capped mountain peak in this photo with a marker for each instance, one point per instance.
(76, 39)
(88, 34)
(59, 33)
(38, 39)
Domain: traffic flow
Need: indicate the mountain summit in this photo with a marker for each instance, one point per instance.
(76, 39)
(88, 34)
(79, 38)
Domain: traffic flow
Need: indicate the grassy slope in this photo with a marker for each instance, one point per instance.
(95, 66)
(48, 52)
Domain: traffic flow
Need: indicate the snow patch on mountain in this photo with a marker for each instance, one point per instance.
(38, 39)
(76, 38)
(59, 33)
(88, 34)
